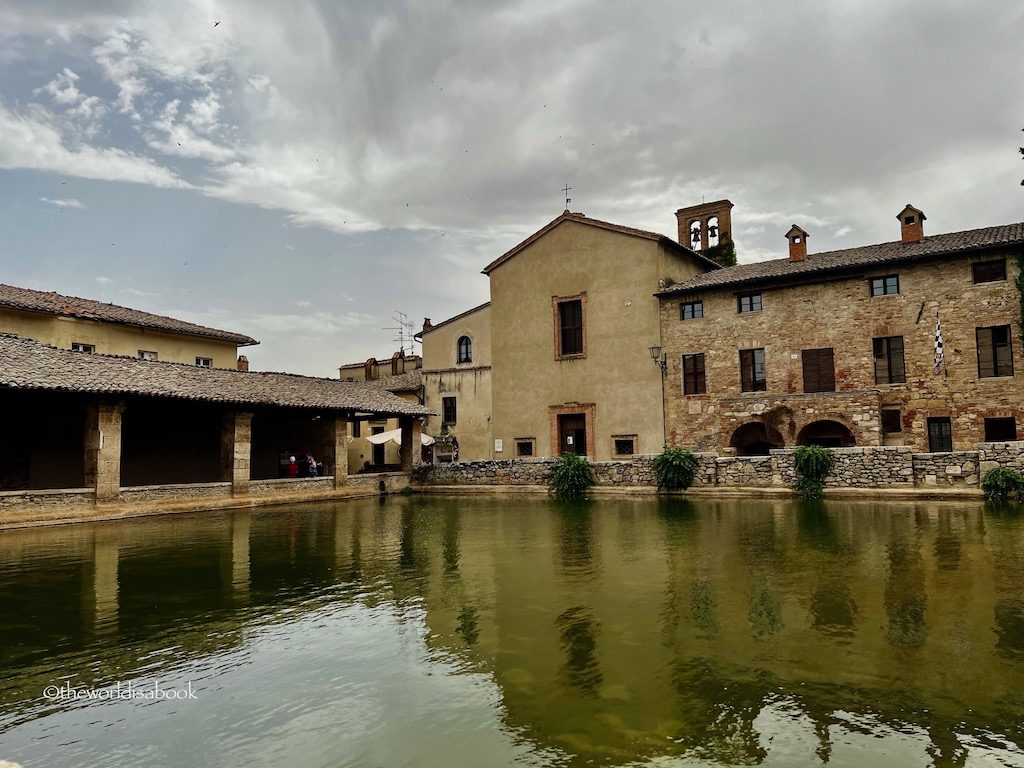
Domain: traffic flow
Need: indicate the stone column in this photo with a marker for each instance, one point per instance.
(409, 452)
(335, 449)
(235, 451)
(103, 449)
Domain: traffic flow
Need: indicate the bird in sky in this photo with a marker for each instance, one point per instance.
(216, 23)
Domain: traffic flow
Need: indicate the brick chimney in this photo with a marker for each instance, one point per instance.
(243, 363)
(699, 224)
(797, 243)
(911, 224)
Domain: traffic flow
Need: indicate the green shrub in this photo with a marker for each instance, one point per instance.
(573, 475)
(675, 469)
(1002, 482)
(813, 463)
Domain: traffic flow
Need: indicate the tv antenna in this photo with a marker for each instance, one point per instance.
(567, 189)
(403, 332)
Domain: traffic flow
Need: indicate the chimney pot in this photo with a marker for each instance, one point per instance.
(797, 243)
(911, 224)
(243, 363)
(427, 324)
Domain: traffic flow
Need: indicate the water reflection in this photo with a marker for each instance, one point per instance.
(611, 632)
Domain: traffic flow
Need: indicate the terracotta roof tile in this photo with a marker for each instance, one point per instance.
(72, 306)
(817, 264)
(409, 381)
(27, 364)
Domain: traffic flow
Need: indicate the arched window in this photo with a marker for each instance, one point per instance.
(465, 350)
(695, 235)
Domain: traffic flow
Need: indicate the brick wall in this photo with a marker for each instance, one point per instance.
(842, 315)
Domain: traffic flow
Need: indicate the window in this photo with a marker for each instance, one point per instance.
(204, 362)
(1000, 430)
(525, 447)
(625, 445)
(447, 410)
(145, 354)
(570, 328)
(819, 370)
(465, 350)
(77, 346)
(885, 286)
(889, 364)
(940, 435)
(691, 310)
(995, 353)
(752, 378)
(357, 428)
(989, 271)
(892, 420)
(908, 219)
(749, 302)
(693, 375)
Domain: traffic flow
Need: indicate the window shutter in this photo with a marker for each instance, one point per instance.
(986, 353)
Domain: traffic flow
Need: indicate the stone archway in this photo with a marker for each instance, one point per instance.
(755, 438)
(826, 432)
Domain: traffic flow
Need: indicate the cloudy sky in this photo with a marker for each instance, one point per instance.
(301, 170)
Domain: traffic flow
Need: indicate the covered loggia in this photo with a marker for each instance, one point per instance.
(42, 443)
(279, 433)
(169, 441)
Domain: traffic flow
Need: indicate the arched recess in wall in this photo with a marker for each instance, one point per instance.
(826, 432)
(464, 350)
(755, 439)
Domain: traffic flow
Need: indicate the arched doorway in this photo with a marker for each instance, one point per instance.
(755, 439)
(828, 433)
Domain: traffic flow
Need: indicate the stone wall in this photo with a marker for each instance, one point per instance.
(25, 499)
(869, 467)
(176, 491)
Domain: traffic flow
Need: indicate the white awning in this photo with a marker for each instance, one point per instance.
(395, 436)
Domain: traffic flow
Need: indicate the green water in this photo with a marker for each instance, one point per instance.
(428, 631)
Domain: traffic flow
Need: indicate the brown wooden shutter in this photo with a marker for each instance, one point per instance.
(986, 353)
(819, 370)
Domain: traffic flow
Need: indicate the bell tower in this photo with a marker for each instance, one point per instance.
(705, 226)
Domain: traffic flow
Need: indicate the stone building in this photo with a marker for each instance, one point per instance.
(86, 325)
(566, 337)
(401, 375)
(839, 348)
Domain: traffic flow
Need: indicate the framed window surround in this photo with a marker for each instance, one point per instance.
(569, 326)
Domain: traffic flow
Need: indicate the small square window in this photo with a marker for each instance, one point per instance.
(525, 447)
(625, 445)
(885, 286)
(908, 219)
(448, 414)
(691, 310)
(750, 302)
(1000, 430)
(145, 354)
(892, 420)
(77, 346)
(204, 362)
(989, 271)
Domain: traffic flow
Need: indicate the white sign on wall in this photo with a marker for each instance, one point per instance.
(568, 440)
(497, 445)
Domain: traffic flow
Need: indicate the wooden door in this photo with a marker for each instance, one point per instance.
(572, 434)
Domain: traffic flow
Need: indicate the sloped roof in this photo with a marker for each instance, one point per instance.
(453, 318)
(73, 306)
(866, 256)
(27, 364)
(579, 218)
(409, 381)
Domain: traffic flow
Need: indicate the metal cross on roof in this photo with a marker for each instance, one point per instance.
(567, 189)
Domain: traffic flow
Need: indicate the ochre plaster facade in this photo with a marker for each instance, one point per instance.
(116, 339)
